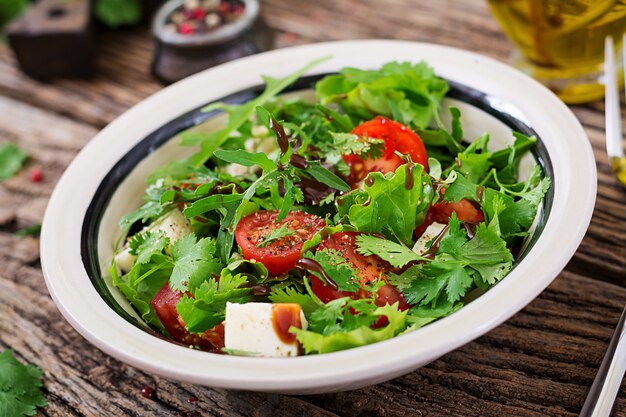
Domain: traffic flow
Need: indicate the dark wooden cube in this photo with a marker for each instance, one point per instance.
(54, 39)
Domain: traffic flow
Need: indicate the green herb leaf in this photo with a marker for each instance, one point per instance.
(323, 175)
(245, 158)
(393, 209)
(276, 234)
(194, 262)
(20, 387)
(210, 203)
(145, 245)
(29, 231)
(292, 295)
(11, 160)
(396, 254)
(115, 13)
(208, 306)
(336, 266)
(332, 342)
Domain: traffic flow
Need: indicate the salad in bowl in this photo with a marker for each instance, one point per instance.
(308, 225)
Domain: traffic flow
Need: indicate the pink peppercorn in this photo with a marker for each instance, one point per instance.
(36, 175)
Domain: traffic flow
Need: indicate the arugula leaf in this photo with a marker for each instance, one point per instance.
(392, 208)
(246, 158)
(210, 203)
(276, 234)
(336, 266)
(194, 262)
(207, 307)
(11, 160)
(292, 295)
(396, 254)
(323, 175)
(332, 342)
(240, 114)
(20, 387)
(145, 245)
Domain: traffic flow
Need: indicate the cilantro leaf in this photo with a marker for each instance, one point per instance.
(194, 262)
(461, 188)
(207, 307)
(275, 234)
(11, 160)
(291, 295)
(392, 208)
(144, 245)
(20, 387)
(450, 273)
(337, 267)
(396, 254)
(148, 211)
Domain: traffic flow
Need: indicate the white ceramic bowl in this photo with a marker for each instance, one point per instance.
(106, 180)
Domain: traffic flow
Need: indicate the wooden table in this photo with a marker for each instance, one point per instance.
(540, 362)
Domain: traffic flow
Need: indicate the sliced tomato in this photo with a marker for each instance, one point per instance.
(280, 255)
(441, 213)
(397, 137)
(164, 304)
(369, 268)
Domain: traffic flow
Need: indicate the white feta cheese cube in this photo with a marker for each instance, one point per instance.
(254, 328)
(423, 243)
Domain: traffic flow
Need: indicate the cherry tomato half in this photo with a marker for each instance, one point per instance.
(442, 211)
(397, 137)
(369, 268)
(279, 255)
(164, 304)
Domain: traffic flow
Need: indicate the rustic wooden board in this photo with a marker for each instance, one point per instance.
(540, 362)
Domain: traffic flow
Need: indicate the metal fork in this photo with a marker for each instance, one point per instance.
(606, 384)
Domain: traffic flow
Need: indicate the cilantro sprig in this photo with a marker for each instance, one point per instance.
(20, 387)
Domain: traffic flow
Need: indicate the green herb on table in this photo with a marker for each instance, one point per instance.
(11, 160)
(115, 13)
(29, 231)
(20, 387)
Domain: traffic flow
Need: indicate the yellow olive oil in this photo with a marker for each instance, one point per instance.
(562, 41)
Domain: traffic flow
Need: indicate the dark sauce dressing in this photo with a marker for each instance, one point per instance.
(369, 181)
(284, 316)
(313, 266)
(281, 136)
(409, 181)
(432, 252)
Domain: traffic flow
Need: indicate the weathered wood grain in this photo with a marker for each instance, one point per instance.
(540, 362)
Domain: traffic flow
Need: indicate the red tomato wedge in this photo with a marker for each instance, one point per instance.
(164, 304)
(441, 213)
(369, 268)
(278, 255)
(397, 137)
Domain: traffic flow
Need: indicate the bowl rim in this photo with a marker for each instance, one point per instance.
(574, 196)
